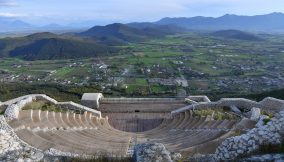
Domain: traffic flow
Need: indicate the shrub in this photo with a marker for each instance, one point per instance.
(269, 148)
(218, 114)
(266, 120)
(102, 159)
(44, 106)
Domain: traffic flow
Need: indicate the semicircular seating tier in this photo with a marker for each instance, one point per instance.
(116, 133)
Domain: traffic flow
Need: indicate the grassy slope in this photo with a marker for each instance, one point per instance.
(59, 92)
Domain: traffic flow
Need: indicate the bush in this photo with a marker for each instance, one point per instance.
(271, 149)
(266, 149)
(102, 159)
(266, 120)
(219, 114)
(44, 106)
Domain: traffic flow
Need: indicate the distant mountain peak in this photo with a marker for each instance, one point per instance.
(273, 22)
(229, 15)
(276, 13)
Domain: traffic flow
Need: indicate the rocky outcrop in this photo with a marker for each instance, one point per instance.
(151, 152)
(23, 154)
(54, 152)
(7, 142)
(233, 147)
(13, 110)
(265, 158)
(235, 109)
(14, 149)
(255, 113)
(202, 158)
(176, 157)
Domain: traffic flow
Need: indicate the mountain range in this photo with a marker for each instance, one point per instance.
(99, 40)
(103, 40)
(273, 22)
(118, 34)
(14, 25)
(11, 24)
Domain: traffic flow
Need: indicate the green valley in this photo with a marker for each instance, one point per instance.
(198, 63)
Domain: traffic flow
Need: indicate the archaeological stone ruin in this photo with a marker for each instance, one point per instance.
(147, 129)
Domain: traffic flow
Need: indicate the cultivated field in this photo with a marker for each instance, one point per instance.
(197, 63)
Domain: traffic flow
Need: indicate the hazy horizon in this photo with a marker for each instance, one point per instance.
(65, 12)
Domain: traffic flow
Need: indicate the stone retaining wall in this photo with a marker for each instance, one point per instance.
(269, 104)
(13, 110)
(272, 104)
(269, 133)
(17, 104)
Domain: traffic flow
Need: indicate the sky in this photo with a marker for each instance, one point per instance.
(107, 11)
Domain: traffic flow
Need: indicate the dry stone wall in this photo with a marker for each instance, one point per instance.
(13, 110)
(270, 133)
(265, 158)
(272, 104)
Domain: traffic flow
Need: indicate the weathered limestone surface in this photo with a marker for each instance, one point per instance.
(235, 109)
(151, 152)
(265, 158)
(255, 113)
(13, 110)
(14, 149)
(270, 133)
(270, 104)
(202, 158)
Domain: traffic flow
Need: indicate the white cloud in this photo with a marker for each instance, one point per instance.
(132, 10)
(7, 3)
(7, 14)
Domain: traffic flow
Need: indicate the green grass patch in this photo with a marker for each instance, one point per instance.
(218, 114)
(134, 89)
(44, 106)
(2, 112)
(141, 81)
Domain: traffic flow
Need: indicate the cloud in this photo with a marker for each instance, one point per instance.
(7, 3)
(8, 14)
(60, 11)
